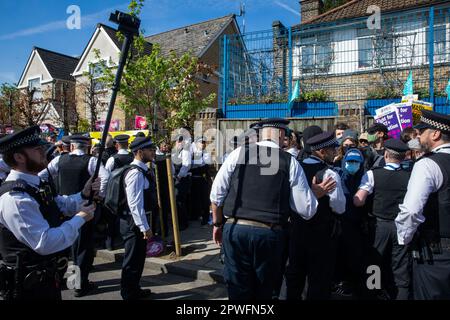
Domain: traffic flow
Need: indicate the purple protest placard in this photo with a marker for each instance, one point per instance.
(390, 118)
(405, 114)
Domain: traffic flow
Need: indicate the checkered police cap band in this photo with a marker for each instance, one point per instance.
(21, 142)
(436, 124)
(326, 144)
(274, 125)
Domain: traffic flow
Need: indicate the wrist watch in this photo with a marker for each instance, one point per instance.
(218, 224)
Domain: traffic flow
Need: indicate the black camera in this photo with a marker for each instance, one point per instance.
(128, 24)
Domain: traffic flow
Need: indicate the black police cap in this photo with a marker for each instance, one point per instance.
(377, 127)
(66, 140)
(396, 145)
(122, 138)
(278, 123)
(434, 120)
(322, 140)
(28, 137)
(142, 143)
(80, 138)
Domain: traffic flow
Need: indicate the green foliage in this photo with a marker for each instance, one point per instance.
(383, 92)
(83, 125)
(313, 96)
(331, 4)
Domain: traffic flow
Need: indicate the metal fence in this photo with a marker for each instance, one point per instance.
(336, 64)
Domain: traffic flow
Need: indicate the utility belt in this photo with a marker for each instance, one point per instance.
(426, 245)
(245, 222)
(15, 280)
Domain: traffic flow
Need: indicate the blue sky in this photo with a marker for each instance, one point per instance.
(42, 23)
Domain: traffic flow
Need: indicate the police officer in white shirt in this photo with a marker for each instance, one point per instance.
(123, 157)
(312, 250)
(257, 213)
(388, 185)
(33, 234)
(424, 218)
(182, 160)
(140, 190)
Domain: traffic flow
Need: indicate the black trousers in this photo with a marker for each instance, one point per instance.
(393, 259)
(134, 258)
(183, 193)
(83, 251)
(199, 198)
(312, 255)
(350, 262)
(252, 260)
(112, 227)
(432, 281)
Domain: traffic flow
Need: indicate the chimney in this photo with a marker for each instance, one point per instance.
(310, 9)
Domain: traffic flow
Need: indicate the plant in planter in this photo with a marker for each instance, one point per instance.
(383, 93)
(313, 96)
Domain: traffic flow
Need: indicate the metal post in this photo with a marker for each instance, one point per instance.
(431, 53)
(173, 205)
(290, 69)
(158, 193)
(224, 76)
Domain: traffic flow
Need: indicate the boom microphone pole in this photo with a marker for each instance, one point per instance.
(129, 26)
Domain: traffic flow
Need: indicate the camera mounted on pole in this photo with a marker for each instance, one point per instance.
(128, 24)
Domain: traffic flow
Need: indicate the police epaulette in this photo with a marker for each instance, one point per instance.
(15, 186)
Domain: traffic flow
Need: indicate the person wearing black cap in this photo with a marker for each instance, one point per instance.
(140, 190)
(70, 172)
(123, 157)
(33, 234)
(200, 177)
(63, 145)
(243, 192)
(308, 133)
(388, 186)
(312, 250)
(425, 212)
(377, 135)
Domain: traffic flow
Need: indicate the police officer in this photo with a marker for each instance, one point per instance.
(32, 231)
(200, 175)
(182, 160)
(110, 149)
(71, 171)
(424, 213)
(243, 192)
(123, 157)
(312, 250)
(140, 190)
(388, 186)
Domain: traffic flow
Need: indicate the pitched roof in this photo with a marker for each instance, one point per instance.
(112, 33)
(195, 37)
(59, 65)
(358, 9)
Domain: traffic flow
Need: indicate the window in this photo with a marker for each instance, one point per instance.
(375, 50)
(440, 43)
(316, 54)
(95, 70)
(35, 84)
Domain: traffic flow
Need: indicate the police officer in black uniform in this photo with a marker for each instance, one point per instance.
(123, 157)
(388, 185)
(256, 212)
(425, 212)
(71, 171)
(33, 232)
(140, 190)
(312, 249)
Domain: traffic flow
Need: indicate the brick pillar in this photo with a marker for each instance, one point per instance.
(310, 9)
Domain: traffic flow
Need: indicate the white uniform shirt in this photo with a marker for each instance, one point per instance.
(53, 169)
(201, 158)
(337, 197)
(109, 165)
(4, 169)
(293, 151)
(135, 183)
(20, 214)
(301, 199)
(368, 182)
(426, 178)
(183, 157)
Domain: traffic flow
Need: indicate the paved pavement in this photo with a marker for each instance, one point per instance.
(164, 286)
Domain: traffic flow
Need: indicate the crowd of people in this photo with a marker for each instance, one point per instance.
(337, 204)
(358, 215)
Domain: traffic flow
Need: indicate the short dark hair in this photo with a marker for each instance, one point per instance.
(445, 136)
(8, 157)
(405, 136)
(341, 126)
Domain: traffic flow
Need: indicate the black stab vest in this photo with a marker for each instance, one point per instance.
(72, 173)
(121, 160)
(150, 195)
